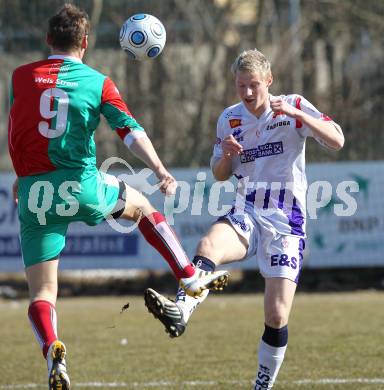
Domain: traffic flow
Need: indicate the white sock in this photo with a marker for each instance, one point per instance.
(270, 360)
(188, 304)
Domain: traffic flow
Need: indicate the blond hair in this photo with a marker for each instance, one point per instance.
(252, 61)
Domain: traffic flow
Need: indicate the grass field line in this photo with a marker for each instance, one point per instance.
(162, 384)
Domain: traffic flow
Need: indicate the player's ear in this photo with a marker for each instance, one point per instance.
(84, 42)
(269, 80)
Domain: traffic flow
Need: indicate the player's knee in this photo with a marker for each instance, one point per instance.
(141, 202)
(206, 247)
(276, 317)
(136, 207)
(276, 321)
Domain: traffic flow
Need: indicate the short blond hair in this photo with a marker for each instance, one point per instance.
(252, 61)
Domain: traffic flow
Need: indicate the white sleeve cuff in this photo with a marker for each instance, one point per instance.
(134, 135)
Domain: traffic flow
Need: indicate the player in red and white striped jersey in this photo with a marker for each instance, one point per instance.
(55, 109)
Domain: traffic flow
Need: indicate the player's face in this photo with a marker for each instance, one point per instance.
(252, 89)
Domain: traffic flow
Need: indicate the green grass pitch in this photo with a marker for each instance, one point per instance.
(336, 341)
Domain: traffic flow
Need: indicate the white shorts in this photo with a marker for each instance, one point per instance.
(278, 255)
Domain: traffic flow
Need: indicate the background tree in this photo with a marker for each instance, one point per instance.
(330, 51)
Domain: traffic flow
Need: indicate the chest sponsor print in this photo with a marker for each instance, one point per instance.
(268, 149)
(278, 124)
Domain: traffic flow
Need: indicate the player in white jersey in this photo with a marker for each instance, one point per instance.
(261, 141)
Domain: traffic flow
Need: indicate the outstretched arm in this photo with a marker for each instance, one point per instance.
(133, 135)
(143, 149)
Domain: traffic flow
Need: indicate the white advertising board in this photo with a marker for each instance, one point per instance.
(345, 220)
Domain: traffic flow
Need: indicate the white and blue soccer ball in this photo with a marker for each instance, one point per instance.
(142, 36)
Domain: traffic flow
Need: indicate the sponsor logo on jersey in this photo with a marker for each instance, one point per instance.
(243, 226)
(231, 114)
(269, 149)
(55, 68)
(58, 67)
(283, 260)
(278, 124)
(285, 242)
(234, 123)
(237, 133)
(43, 80)
(230, 215)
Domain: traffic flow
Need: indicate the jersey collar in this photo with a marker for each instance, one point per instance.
(63, 57)
(254, 117)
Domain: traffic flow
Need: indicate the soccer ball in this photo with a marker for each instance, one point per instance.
(142, 36)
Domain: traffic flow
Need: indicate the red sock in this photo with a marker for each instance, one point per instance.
(158, 233)
(42, 316)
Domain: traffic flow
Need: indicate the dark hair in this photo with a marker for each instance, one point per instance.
(67, 28)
